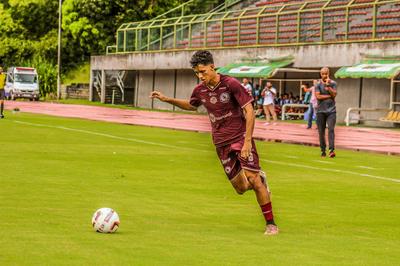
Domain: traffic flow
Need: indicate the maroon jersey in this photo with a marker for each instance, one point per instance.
(224, 105)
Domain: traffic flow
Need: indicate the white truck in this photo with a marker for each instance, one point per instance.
(22, 82)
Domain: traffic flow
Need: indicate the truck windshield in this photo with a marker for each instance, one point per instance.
(25, 78)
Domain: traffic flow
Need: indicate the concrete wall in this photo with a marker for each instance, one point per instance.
(144, 88)
(164, 82)
(307, 56)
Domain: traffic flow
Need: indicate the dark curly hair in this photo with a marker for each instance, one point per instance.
(201, 57)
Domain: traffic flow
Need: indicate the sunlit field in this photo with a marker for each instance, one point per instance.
(176, 205)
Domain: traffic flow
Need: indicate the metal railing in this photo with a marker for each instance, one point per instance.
(309, 22)
(293, 105)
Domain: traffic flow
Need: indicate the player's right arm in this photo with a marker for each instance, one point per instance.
(181, 103)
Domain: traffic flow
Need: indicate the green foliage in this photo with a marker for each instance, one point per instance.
(29, 31)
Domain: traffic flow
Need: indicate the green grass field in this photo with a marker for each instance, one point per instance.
(175, 204)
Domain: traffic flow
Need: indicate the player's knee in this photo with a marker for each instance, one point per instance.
(240, 183)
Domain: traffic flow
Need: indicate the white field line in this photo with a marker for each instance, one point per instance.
(366, 167)
(185, 148)
(291, 156)
(111, 136)
(332, 170)
(325, 162)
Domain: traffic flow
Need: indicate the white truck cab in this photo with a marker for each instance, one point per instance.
(22, 82)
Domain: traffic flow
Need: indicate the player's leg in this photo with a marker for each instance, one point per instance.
(321, 122)
(331, 120)
(241, 183)
(264, 200)
(251, 170)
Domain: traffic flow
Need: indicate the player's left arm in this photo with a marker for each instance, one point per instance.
(250, 121)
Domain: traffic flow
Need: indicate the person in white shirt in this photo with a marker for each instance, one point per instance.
(246, 84)
(269, 94)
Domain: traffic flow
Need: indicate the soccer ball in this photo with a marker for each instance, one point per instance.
(105, 220)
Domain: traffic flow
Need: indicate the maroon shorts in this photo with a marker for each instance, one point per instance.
(232, 162)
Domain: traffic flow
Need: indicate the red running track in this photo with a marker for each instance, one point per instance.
(363, 139)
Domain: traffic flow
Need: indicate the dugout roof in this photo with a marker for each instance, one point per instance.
(253, 69)
(372, 67)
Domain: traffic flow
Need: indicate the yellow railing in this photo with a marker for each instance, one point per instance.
(307, 22)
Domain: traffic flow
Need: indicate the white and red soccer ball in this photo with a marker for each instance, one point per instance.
(105, 220)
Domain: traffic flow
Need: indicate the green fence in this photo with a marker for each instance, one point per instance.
(308, 22)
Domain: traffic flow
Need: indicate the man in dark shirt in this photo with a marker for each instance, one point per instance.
(231, 113)
(325, 92)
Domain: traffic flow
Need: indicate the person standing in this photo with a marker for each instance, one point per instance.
(2, 93)
(269, 93)
(231, 114)
(246, 84)
(325, 92)
(311, 100)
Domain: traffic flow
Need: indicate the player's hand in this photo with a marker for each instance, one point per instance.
(246, 150)
(158, 95)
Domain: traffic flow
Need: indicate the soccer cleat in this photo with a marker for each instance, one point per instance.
(271, 230)
(1, 116)
(323, 154)
(265, 181)
(332, 154)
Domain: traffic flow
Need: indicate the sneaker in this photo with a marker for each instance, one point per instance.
(323, 154)
(265, 181)
(1, 116)
(271, 230)
(332, 154)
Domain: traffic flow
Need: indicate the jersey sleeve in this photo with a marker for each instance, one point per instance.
(240, 93)
(194, 99)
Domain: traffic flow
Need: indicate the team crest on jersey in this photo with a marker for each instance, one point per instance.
(224, 97)
(213, 100)
(228, 169)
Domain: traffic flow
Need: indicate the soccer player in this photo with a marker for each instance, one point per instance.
(231, 113)
(325, 92)
(2, 94)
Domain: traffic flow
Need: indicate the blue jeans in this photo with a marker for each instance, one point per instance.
(310, 115)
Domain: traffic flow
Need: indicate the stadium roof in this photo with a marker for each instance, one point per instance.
(249, 69)
(372, 67)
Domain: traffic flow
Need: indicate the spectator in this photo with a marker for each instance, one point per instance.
(269, 93)
(247, 86)
(325, 92)
(311, 100)
(258, 101)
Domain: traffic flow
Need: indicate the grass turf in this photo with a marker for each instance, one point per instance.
(175, 205)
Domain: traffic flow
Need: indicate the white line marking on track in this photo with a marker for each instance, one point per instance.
(185, 148)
